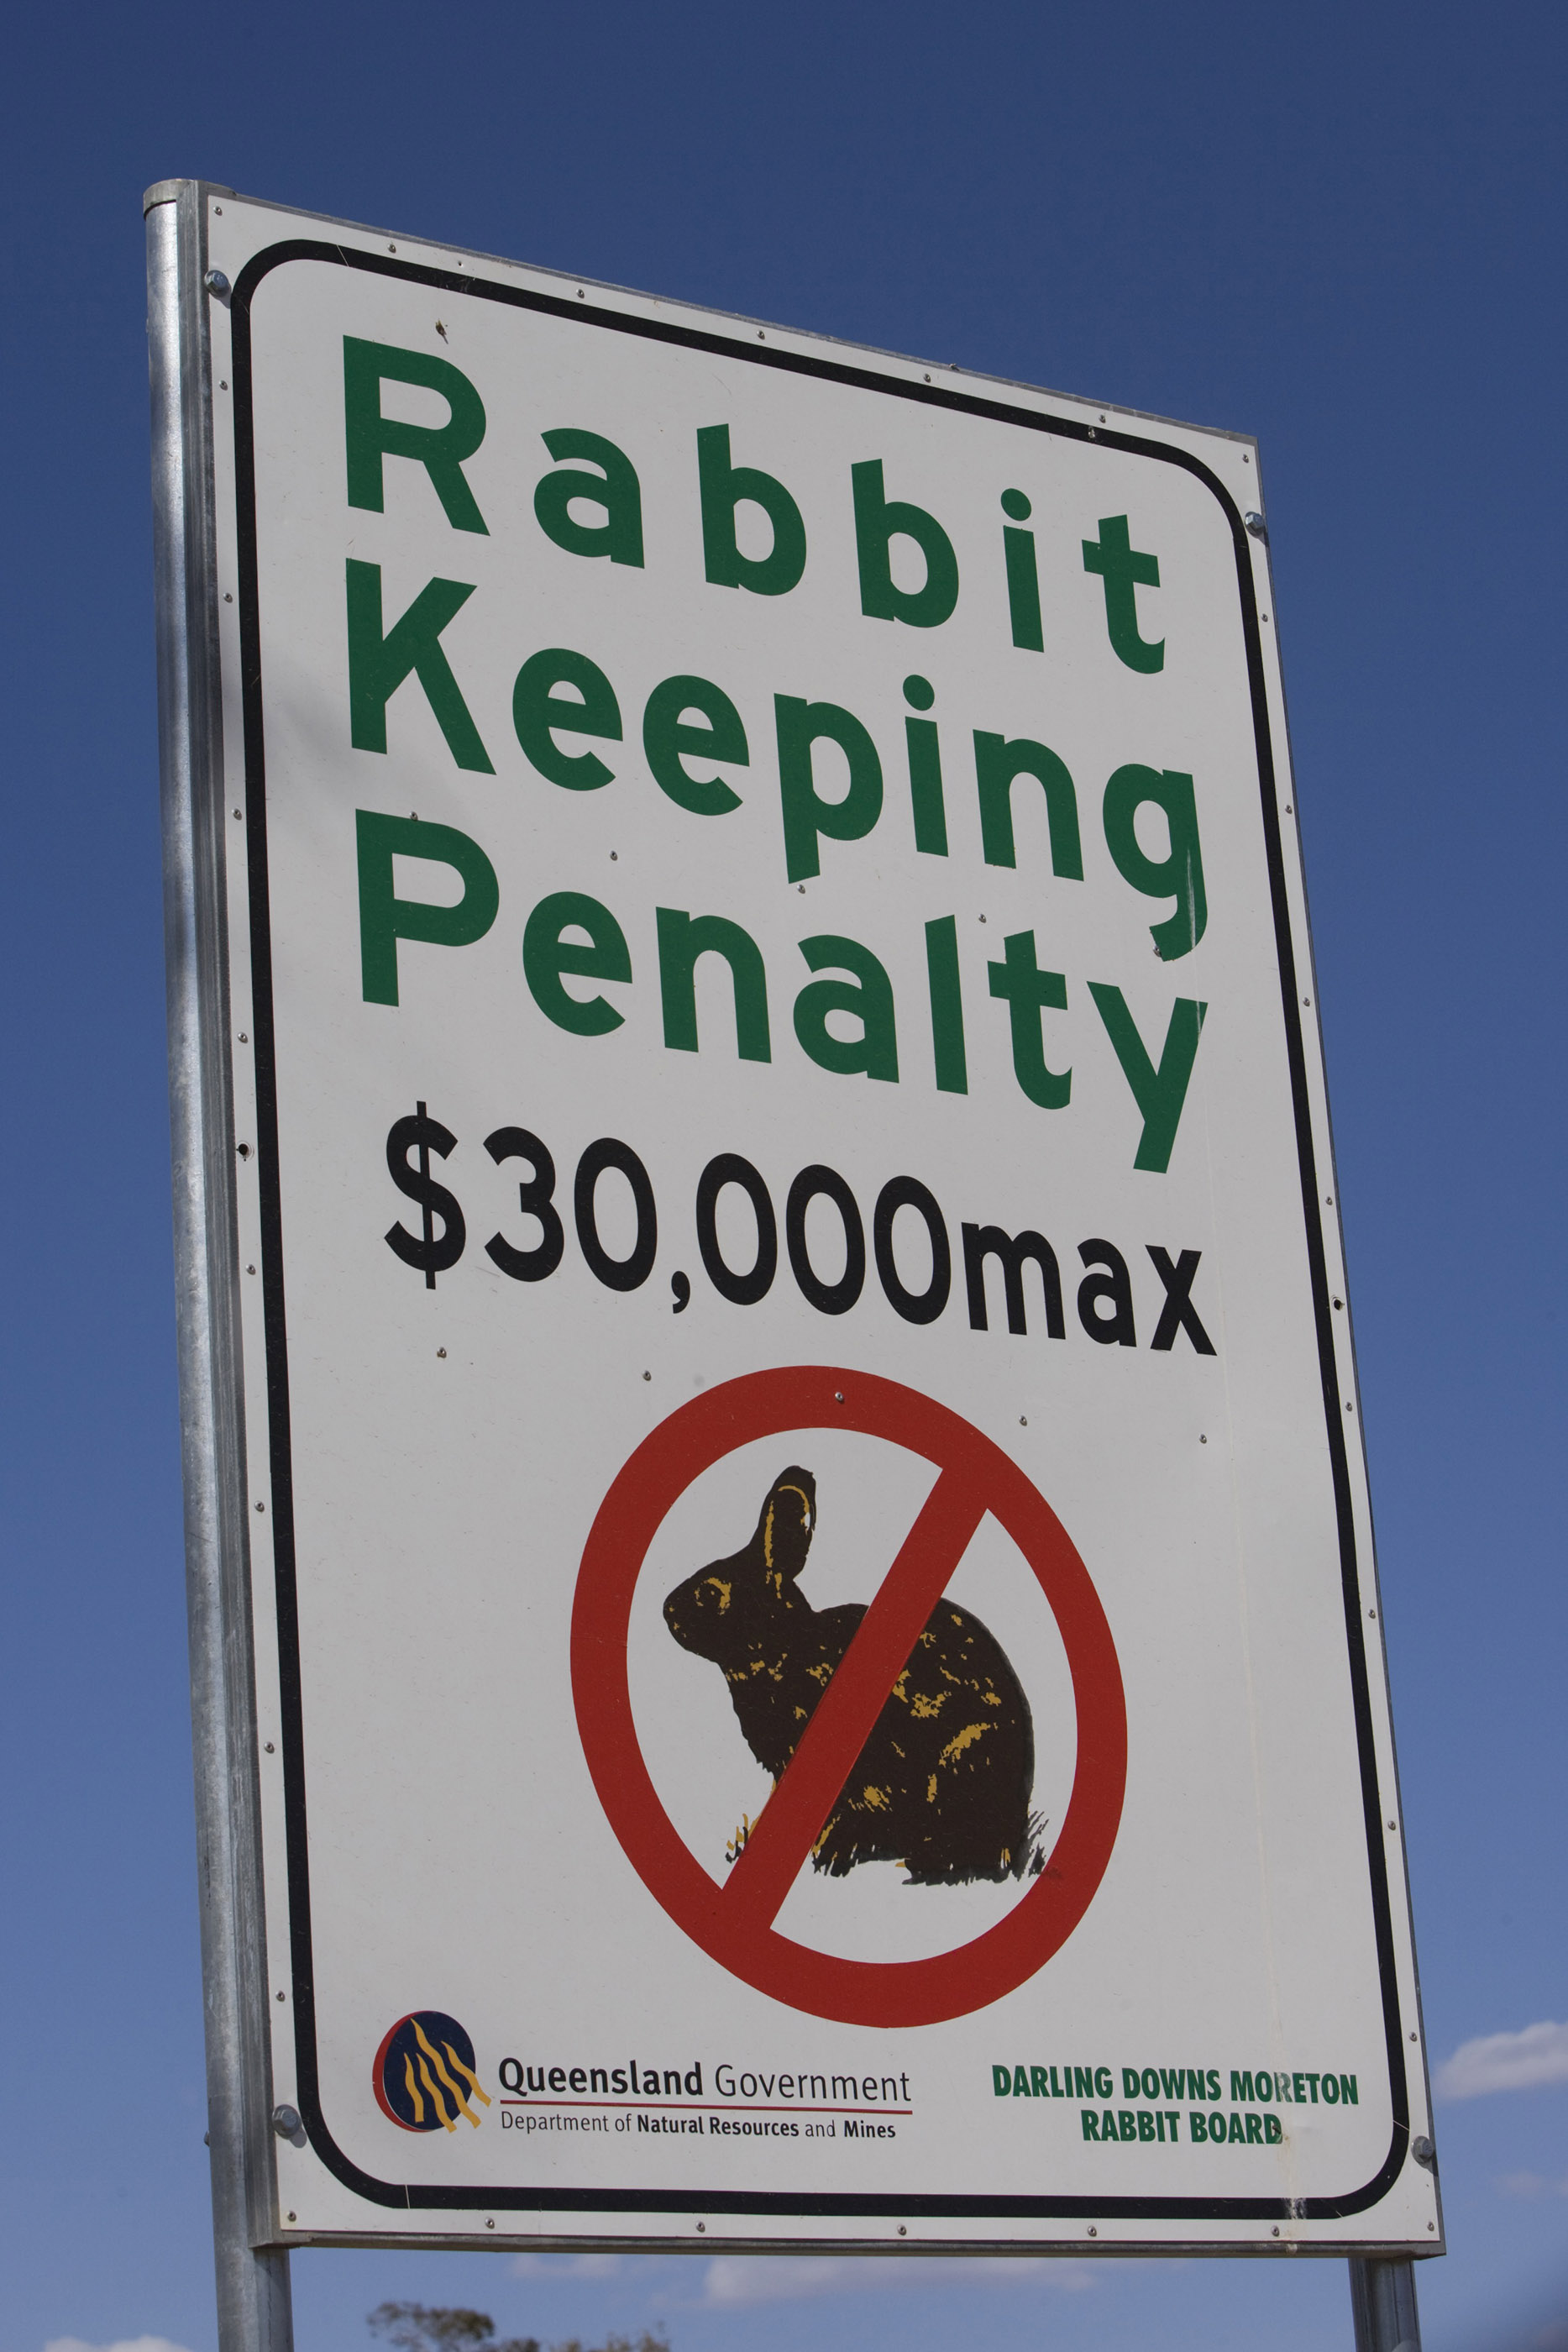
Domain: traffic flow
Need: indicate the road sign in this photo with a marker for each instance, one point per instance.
(787, 1647)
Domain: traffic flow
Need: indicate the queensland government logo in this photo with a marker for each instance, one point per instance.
(424, 2075)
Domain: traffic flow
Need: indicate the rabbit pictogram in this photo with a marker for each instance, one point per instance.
(944, 1782)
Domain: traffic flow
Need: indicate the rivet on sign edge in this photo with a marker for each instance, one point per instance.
(1412, 2037)
(261, 1507)
(270, 1750)
(838, 1396)
(440, 1351)
(293, 2217)
(902, 2231)
(489, 2225)
(1092, 2231)
(702, 2225)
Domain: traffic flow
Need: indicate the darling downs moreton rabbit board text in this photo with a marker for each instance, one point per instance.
(818, 1673)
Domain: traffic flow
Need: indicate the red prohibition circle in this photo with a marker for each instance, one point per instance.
(732, 1923)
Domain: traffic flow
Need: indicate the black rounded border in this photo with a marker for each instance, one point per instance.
(434, 2196)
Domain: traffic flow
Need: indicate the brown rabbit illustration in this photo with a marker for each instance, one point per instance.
(944, 1782)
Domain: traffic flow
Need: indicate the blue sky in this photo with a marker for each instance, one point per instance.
(1341, 229)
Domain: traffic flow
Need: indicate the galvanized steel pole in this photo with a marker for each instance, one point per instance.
(253, 2294)
(1382, 2299)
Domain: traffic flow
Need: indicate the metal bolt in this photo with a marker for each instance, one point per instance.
(489, 2225)
(1257, 526)
(286, 2122)
(1091, 433)
(1202, 1439)
(236, 812)
(1412, 2037)
(903, 2231)
(270, 1749)
(1023, 1420)
(1372, 1612)
(280, 1996)
(217, 285)
(1092, 2231)
(614, 856)
(1276, 2228)
(261, 1507)
(250, 1269)
(292, 2217)
(702, 2227)
(802, 887)
(1391, 1825)
(227, 598)
(838, 1396)
(440, 1351)
(647, 1376)
(1287, 808)
(222, 385)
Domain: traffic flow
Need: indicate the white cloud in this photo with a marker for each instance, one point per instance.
(565, 2266)
(735, 2279)
(1505, 2061)
(1531, 2184)
(124, 2343)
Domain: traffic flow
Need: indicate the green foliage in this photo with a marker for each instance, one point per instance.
(435, 2328)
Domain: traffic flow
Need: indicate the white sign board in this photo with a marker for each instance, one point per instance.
(818, 1671)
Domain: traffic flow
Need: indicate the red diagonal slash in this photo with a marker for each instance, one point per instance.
(840, 1724)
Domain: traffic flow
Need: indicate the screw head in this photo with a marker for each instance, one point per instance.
(217, 285)
(1257, 526)
(286, 2122)
(1422, 2150)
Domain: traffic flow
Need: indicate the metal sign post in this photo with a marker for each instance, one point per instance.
(251, 2269)
(784, 1644)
